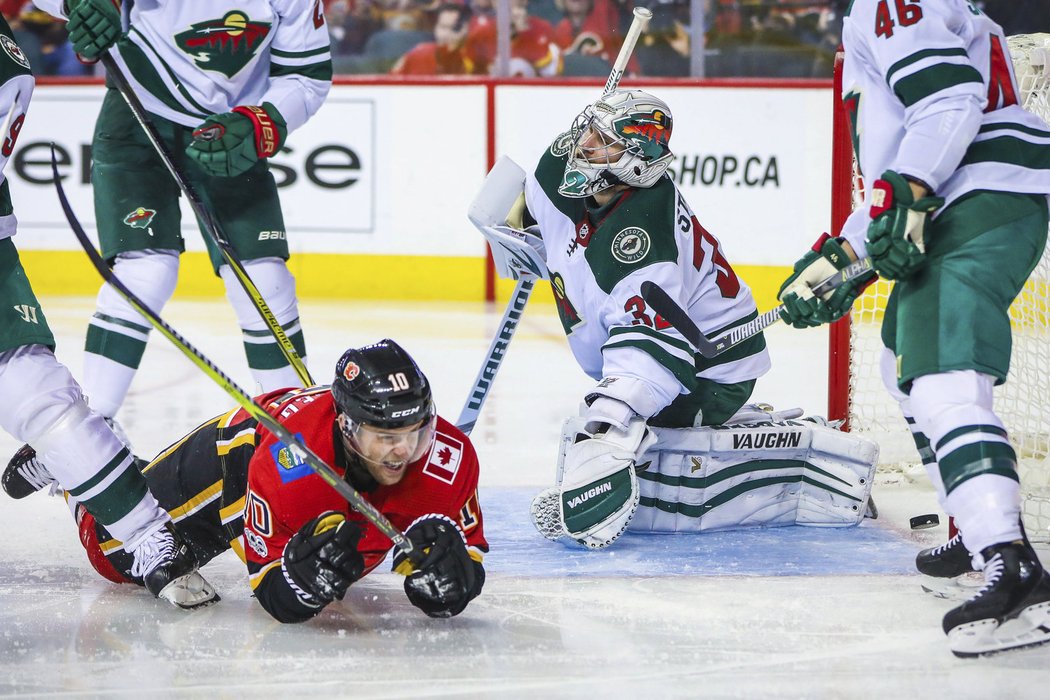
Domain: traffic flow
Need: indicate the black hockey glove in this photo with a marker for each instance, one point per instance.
(321, 560)
(448, 578)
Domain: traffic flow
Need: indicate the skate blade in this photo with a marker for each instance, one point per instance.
(958, 589)
(983, 637)
(189, 592)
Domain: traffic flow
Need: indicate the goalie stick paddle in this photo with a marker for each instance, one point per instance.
(497, 351)
(662, 303)
(207, 220)
(297, 448)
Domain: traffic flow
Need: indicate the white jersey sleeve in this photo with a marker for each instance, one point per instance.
(931, 94)
(300, 61)
(920, 51)
(189, 60)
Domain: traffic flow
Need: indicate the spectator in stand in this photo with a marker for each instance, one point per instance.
(1019, 16)
(406, 15)
(350, 23)
(47, 42)
(532, 49)
(593, 27)
(446, 55)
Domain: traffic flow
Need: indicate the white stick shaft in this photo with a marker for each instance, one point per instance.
(638, 25)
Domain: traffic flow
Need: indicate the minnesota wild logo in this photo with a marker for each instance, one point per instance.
(140, 218)
(570, 318)
(223, 45)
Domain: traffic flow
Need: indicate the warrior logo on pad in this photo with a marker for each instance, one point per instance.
(223, 45)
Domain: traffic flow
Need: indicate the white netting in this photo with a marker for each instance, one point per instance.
(1022, 401)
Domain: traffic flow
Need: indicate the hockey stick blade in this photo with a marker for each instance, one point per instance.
(662, 303)
(208, 222)
(295, 446)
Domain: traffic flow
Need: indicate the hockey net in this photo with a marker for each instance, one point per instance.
(856, 392)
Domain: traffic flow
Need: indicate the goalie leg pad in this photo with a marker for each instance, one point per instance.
(777, 473)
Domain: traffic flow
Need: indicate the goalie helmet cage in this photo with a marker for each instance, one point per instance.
(855, 390)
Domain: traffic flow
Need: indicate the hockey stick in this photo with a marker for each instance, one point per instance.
(209, 223)
(468, 416)
(638, 25)
(662, 303)
(295, 447)
(497, 350)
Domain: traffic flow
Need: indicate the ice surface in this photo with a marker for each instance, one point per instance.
(784, 613)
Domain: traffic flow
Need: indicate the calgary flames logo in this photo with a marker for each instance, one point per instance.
(351, 371)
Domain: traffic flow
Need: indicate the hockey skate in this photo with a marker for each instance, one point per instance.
(25, 474)
(948, 571)
(168, 568)
(1012, 610)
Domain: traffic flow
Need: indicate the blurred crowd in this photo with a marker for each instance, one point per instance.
(742, 38)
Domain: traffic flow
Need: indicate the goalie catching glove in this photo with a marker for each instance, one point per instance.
(448, 577)
(230, 143)
(897, 232)
(321, 560)
(803, 309)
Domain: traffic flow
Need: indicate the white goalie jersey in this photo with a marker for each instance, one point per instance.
(190, 59)
(930, 92)
(597, 262)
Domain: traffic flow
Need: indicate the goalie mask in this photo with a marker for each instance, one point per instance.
(386, 412)
(620, 139)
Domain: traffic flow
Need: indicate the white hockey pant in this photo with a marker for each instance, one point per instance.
(44, 406)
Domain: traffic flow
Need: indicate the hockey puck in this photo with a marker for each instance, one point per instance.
(921, 522)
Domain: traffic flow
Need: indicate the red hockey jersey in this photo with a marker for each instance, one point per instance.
(284, 493)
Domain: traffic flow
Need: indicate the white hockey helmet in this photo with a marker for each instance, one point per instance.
(620, 139)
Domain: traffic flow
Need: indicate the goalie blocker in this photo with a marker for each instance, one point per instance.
(763, 473)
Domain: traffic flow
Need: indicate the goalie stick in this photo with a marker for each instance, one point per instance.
(497, 351)
(207, 220)
(297, 448)
(662, 303)
(468, 416)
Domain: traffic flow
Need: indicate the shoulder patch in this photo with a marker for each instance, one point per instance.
(445, 456)
(290, 465)
(12, 49)
(631, 245)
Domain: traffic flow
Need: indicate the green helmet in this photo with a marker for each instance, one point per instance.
(620, 139)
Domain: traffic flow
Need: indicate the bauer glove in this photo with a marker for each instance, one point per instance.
(801, 308)
(447, 578)
(94, 26)
(321, 560)
(897, 232)
(230, 143)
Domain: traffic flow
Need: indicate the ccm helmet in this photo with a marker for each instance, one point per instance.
(381, 386)
(381, 391)
(620, 139)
